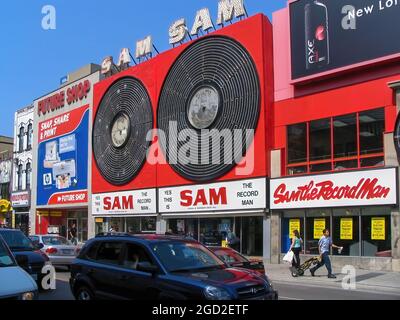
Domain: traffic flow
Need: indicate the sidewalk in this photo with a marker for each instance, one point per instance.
(365, 280)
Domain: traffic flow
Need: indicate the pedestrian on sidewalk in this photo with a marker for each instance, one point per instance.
(324, 246)
(296, 247)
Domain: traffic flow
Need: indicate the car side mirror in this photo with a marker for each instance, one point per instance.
(22, 261)
(147, 267)
(39, 246)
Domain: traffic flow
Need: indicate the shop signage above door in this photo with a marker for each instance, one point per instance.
(328, 35)
(234, 195)
(347, 189)
(122, 203)
(20, 199)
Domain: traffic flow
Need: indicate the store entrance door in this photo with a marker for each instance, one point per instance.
(70, 233)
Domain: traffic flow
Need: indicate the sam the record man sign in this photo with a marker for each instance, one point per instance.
(360, 188)
(122, 203)
(234, 195)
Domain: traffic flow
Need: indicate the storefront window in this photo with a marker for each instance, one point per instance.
(186, 227)
(376, 232)
(213, 231)
(243, 234)
(297, 143)
(252, 236)
(316, 222)
(372, 127)
(345, 136)
(355, 144)
(133, 225)
(291, 221)
(320, 140)
(148, 224)
(345, 231)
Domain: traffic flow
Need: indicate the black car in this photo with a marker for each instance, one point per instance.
(21, 246)
(159, 267)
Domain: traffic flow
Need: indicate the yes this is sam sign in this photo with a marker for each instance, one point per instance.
(234, 195)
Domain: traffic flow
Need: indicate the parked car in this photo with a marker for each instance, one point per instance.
(235, 259)
(21, 245)
(155, 267)
(16, 284)
(60, 251)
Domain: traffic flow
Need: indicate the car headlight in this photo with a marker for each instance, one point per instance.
(28, 296)
(269, 282)
(214, 293)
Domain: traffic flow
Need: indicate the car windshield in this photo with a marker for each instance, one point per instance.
(181, 256)
(55, 241)
(230, 256)
(5, 258)
(17, 241)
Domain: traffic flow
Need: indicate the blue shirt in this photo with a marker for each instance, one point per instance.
(297, 243)
(325, 244)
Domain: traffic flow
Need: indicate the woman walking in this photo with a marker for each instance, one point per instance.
(296, 247)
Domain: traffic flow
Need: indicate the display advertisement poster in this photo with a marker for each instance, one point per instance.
(319, 227)
(294, 224)
(63, 158)
(327, 35)
(346, 229)
(234, 195)
(378, 229)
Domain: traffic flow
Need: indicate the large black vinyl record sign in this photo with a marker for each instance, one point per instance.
(212, 86)
(397, 137)
(122, 122)
(332, 34)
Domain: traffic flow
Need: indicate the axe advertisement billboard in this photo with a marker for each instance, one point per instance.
(328, 35)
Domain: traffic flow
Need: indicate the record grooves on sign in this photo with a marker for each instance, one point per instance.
(213, 84)
(122, 121)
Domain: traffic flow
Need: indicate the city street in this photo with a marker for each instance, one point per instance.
(287, 291)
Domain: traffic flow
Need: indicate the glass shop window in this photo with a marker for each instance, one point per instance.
(345, 136)
(320, 140)
(252, 236)
(345, 231)
(297, 146)
(376, 232)
(316, 221)
(291, 221)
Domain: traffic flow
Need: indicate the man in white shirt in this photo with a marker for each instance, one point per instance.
(324, 246)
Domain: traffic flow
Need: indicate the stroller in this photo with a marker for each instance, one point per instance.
(305, 266)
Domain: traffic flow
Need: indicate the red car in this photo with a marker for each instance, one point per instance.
(235, 259)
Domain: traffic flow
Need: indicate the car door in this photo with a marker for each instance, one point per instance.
(104, 270)
(135, 284)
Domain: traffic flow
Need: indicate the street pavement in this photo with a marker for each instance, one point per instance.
(369, 286)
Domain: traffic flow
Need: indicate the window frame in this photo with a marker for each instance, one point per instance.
(359, 157)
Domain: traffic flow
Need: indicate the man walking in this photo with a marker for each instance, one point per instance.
(324, 246)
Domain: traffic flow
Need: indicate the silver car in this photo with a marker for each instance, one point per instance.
(60, 251)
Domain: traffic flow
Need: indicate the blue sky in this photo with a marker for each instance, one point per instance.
(33, 60)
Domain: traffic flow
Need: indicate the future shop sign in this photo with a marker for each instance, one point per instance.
(178, 32)
(71, 95)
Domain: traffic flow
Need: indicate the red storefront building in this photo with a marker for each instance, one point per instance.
(334, 163)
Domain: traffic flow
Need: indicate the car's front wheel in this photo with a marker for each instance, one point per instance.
(83, 293)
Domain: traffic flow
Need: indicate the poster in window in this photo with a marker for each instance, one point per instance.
(294, 224)
(346, 229)
(319, 226)
(378, 229)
